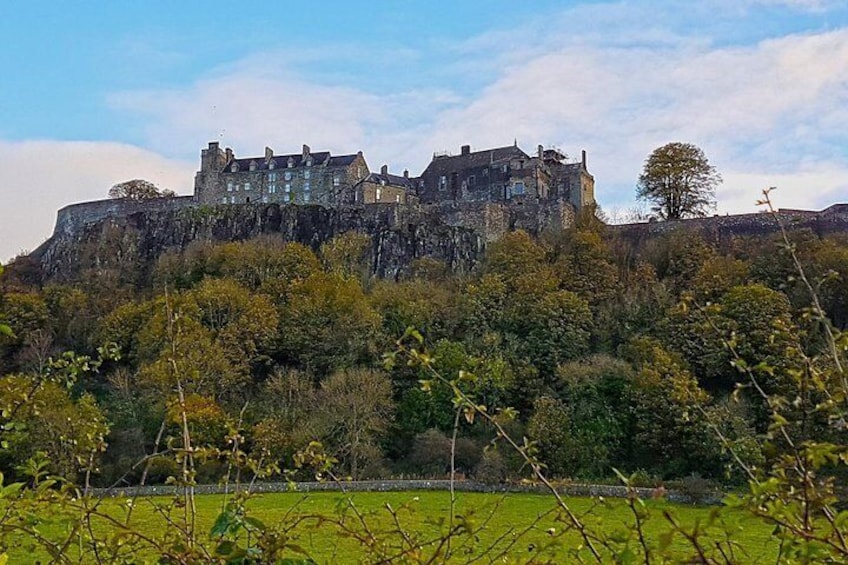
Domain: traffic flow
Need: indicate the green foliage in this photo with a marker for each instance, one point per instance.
(678, 181)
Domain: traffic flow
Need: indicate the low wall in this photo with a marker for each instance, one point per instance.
(575, 490)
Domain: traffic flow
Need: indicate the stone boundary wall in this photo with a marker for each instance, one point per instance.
(576, 490)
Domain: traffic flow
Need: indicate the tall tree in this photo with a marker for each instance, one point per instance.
(679, 181)
(139, 189)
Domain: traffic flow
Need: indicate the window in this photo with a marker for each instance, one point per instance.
(286, 197)
(230, 186)
(518, 188)
(443, 182)
(232, 199)
(379, 192)
(288, 187)
(237, 187)
(234, 167)
(307, 174)
(272, 164)
(247, 186)
(290, 163)
(309, 162)
(306, 197)
(337, 180)
(265, 198)
(272, 188)
(397, 197)
(307, 186)
(471, 180)
(253, 165)
(288, 175)
(224, 200)
(272, 177)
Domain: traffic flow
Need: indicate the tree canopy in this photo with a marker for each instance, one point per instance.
(139, 189)
(678, 181)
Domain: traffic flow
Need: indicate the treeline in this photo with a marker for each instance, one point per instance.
(614, 355)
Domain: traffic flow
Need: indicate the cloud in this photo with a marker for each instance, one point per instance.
(771, 111)
(39, 177)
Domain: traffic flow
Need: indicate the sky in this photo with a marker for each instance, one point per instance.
(95, 93)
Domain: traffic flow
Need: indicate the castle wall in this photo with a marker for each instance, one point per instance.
(721, 228)
(72, 218)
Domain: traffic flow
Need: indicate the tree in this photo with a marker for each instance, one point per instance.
(679, 180)
(139, 189)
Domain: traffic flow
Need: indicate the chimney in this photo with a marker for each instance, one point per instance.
(583, 158)
(465, 149)
(541, 151)
(213, 146)
(228, 153)
(406, 173)
(269, 154)
(305, 151)
(384, 170)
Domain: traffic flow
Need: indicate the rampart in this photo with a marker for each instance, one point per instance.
(71, 218)
(717, 229)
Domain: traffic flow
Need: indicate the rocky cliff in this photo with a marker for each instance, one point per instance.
(111, 234)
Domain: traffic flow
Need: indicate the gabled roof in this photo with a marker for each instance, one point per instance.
(390, 180)
(320, 158)
(475, 159)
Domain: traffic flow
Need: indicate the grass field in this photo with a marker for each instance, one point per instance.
(520, 526)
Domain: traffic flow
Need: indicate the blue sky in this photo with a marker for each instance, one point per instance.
(94, 93)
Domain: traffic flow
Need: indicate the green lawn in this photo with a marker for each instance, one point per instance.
(521, 526)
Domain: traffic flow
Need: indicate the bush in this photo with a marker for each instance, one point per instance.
(492, 468)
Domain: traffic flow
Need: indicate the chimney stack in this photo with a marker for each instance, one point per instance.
(406, 173)
(305, 151)
(583, 159)
(465, 150)
(384, 170)
(228, 153)
(541, 151)
(269, 154)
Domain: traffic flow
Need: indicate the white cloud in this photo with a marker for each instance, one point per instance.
(624, 81)
(39, 177)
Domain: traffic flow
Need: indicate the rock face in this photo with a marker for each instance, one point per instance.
(136, 234)
(124, 233)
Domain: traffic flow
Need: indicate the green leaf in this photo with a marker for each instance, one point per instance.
(255, 523)
(222, 524)
(225, 548)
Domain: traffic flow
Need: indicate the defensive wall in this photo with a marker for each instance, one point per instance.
(717, 229)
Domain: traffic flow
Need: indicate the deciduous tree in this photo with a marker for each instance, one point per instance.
(139, 189)
(679, 181)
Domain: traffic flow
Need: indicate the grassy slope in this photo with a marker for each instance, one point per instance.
(504, 519)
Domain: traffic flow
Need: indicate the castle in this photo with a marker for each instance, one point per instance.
(504, 175)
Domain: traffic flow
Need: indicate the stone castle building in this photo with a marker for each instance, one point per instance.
(503, 175)
(507, 174)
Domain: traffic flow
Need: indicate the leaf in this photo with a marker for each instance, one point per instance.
(255, 523)
(225, 548)
(222, 524)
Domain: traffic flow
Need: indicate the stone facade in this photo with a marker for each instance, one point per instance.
(507, 174)
(384, 187)
(304, 178)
